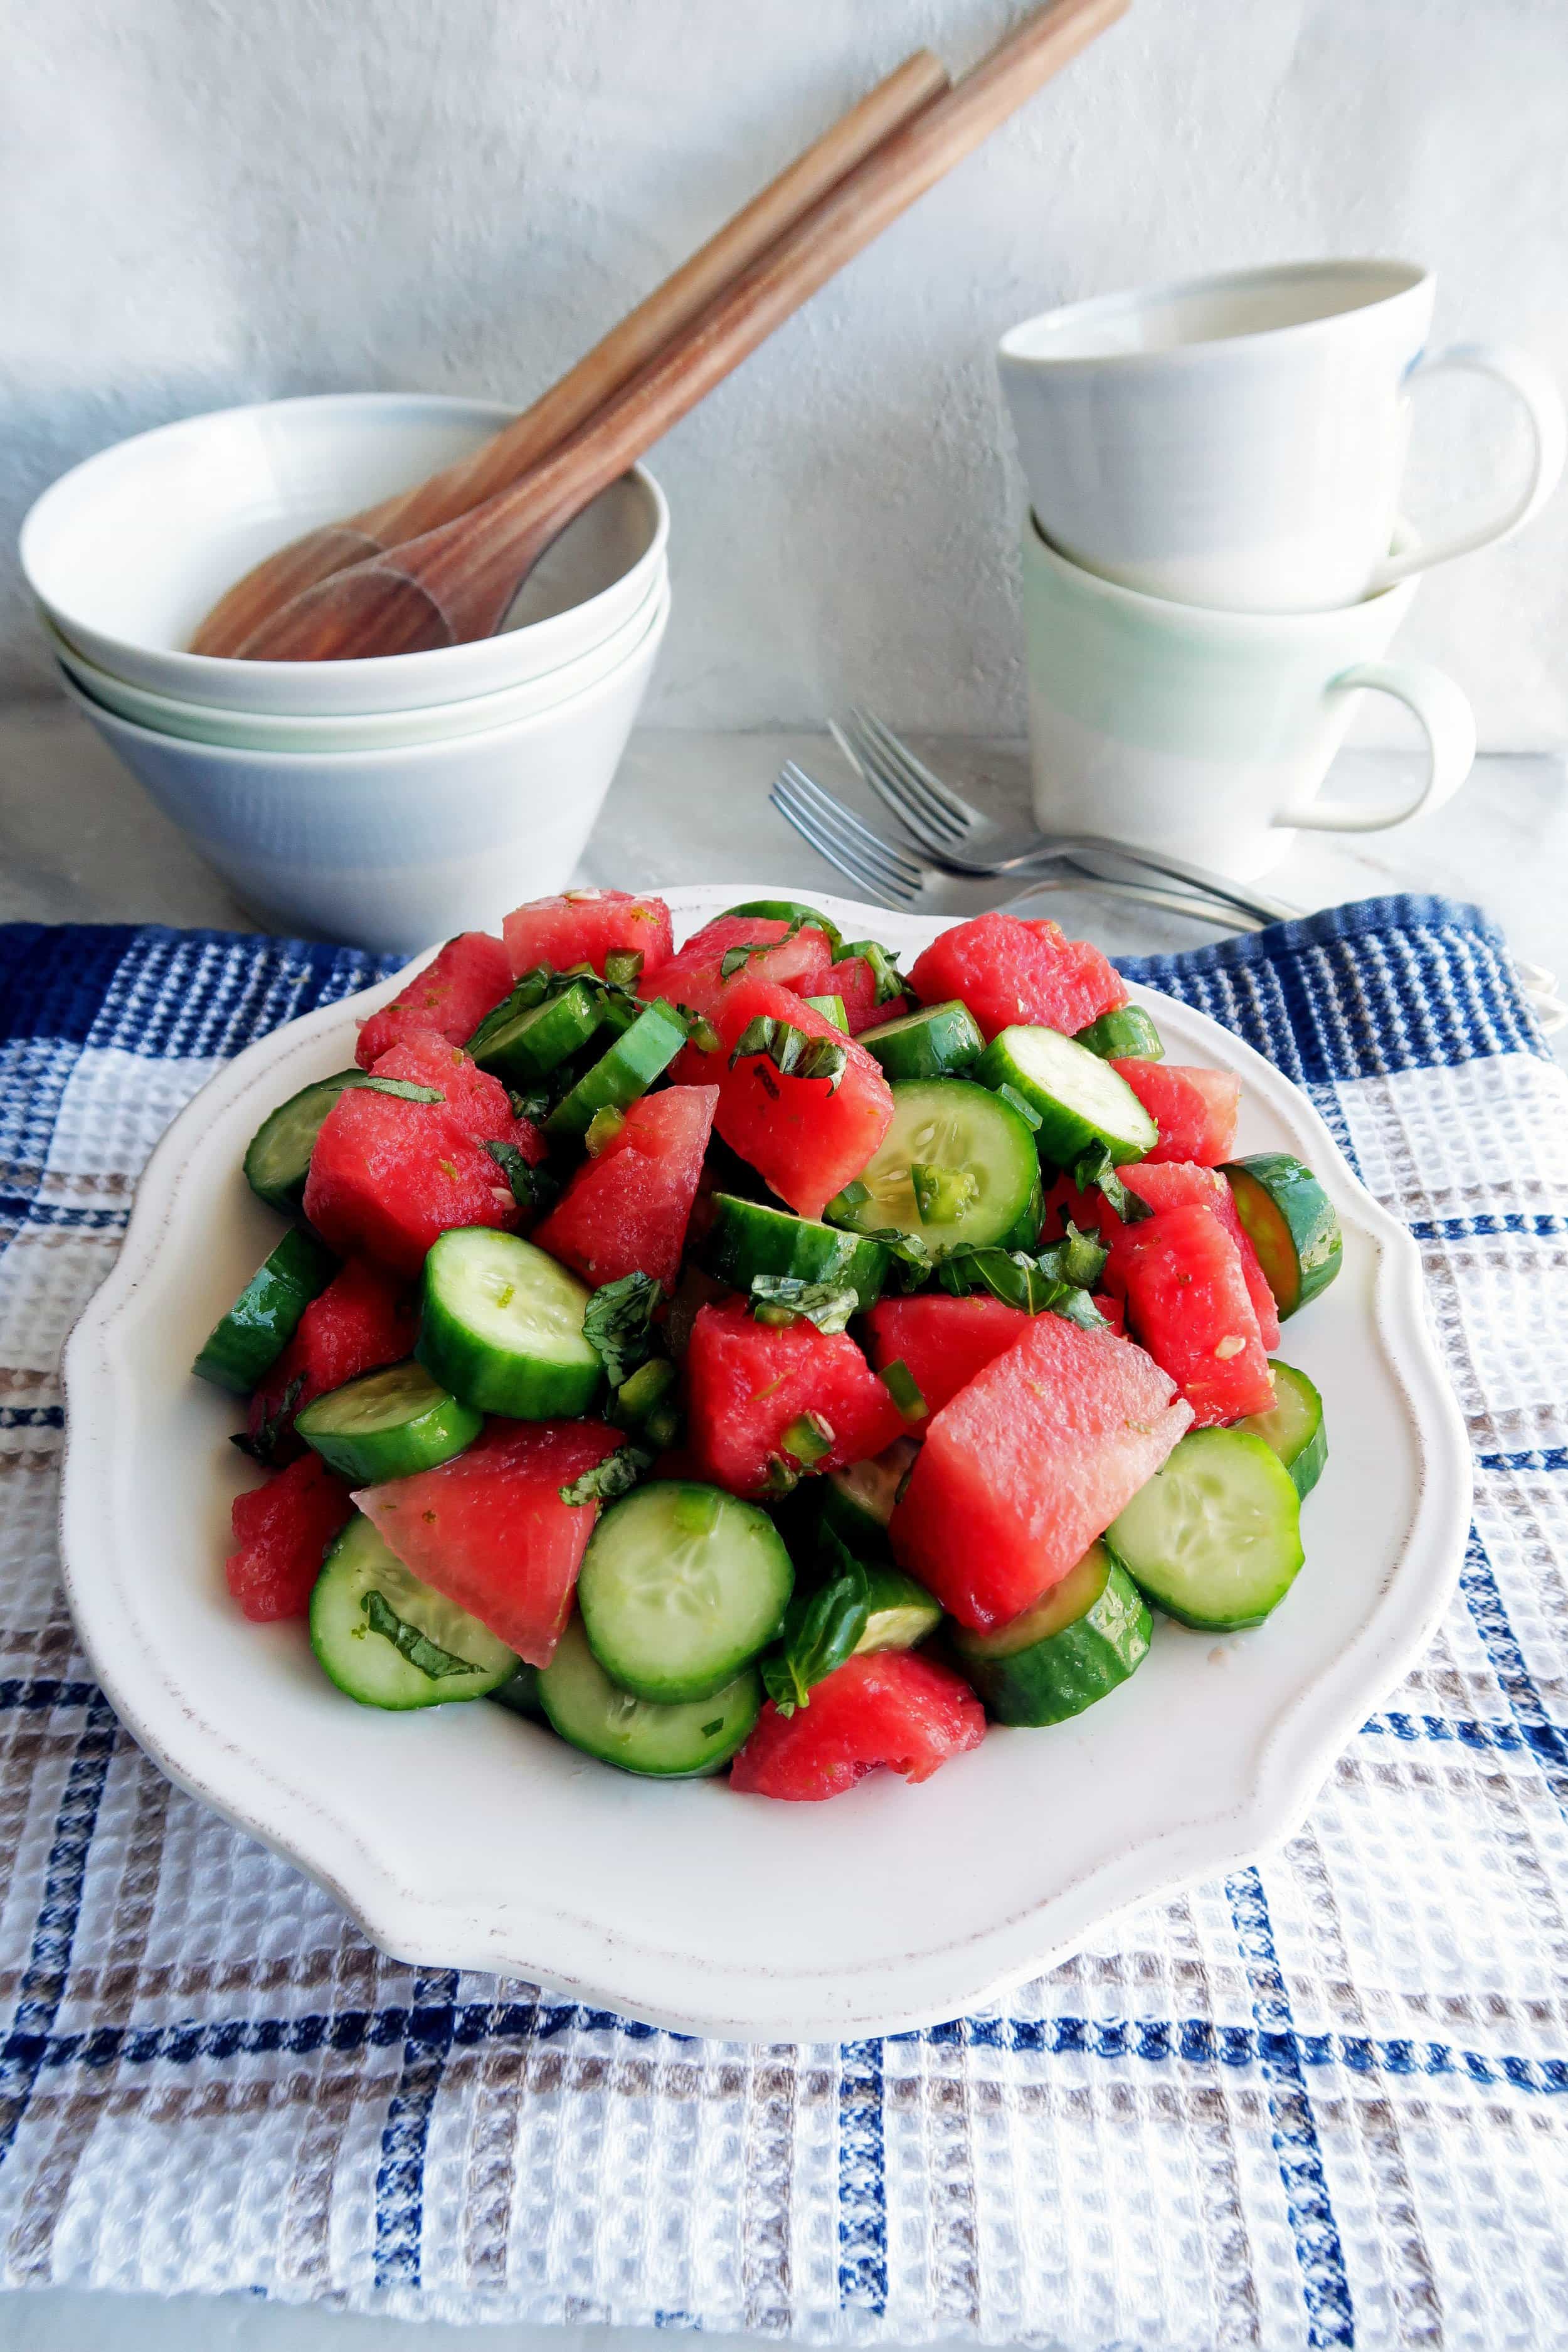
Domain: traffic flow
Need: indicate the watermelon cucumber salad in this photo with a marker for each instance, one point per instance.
(748, 1355)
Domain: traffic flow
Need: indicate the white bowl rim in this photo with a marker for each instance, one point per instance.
(37, 518)
(392, 755)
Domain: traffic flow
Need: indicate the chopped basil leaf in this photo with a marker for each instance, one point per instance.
(820, 1631)
(531, 1188)
(1035, 1286)
(904, 1389)
(616, 1475)
(1083, 1257)
(618, 1322)
(700, 1030)
(912, 1258)
(736, 958)
(409, 1643)
(405, 1089)
(791, 1053)
(786, 1299)
(1094, 1170)
(534, 1106)
(889, 979)
(263, 1446)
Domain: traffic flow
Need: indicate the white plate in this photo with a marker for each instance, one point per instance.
(466, 1838)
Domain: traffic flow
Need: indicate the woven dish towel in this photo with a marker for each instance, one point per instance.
(1320, 2103)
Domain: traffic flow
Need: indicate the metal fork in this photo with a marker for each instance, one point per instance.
(964, 841)
(897, 877)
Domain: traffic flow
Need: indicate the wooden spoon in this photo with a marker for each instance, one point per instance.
(607, 367)
(451, 585)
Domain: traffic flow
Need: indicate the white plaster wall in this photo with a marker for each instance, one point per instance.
(203, 201)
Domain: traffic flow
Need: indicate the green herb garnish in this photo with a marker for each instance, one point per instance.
(785, 1299)
(618, 1322)
(409, 1643)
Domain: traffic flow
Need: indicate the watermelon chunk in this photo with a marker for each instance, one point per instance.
(1195, 1109)
(806, 1137)
(1187, 1302)
(489, 1529)
(1163, 1185)
(626, 1211)
(450, 996)
(749, 1383)
(944, 1342)
(584, 927)
(388, 1174)
(893, 1708)
(800, 960)
(365, 1317)
(281, 1531)
(1008, 971)
(856, 982)
(1028, 1464)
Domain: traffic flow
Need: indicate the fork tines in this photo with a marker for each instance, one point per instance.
(920, 798)
(836, 833)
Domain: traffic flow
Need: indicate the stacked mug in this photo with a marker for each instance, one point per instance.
(1213, 564)
(386, 802)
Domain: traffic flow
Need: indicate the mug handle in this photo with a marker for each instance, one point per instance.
(1450, 728)
(1535, 387)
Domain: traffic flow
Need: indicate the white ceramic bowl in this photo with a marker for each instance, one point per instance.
(391, 849)
(256, 731)
(128, 551)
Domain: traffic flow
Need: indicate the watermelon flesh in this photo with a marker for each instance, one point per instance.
(364, 1318)
(626, 1211)
(1163, 1185)
(943, 1341)
(1195, 1109)
(800, 960)
(1028, 1464)
(856, 982)
(281, 1532)
(450, 997)
(748, 1382)
(806, 1137)
(1006, 971)
(584, 927)
(894, 1709)
(1187, 1301)
(488, 1529)
(387, 1174)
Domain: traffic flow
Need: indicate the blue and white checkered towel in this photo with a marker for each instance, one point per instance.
(1321, 2103)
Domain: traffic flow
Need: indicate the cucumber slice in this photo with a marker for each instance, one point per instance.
(934, 1043)
(948, 1123)
(831, 1009)
(278, 1159)
(1294, 1427)
(387, 1426)
(665, 1743)
(789, 910)
(501, 1328)
(388, 1640)
(619, 1078)
(1126, 1035)
(747, 1238)
(1215, 1537)
(244, 1346)
(519, 1693)
(902, 1612)
(681, 1586)
(522, 1042)
(1088, 1635)
(1294, 1226)
(858, 1503)
(1080, 1100)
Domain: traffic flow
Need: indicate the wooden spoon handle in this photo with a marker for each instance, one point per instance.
(611, 364)
(455, 584)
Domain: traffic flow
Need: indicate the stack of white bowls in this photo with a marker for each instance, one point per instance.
(386, 802)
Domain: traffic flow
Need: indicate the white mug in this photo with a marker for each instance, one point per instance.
(1209, 733)
(1238, 441)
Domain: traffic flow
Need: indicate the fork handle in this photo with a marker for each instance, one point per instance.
(1173, 902)
(1179, 869)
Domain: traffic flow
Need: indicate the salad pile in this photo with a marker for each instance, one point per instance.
(748, 1355)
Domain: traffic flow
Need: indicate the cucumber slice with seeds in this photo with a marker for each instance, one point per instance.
(680, 1586)
(665, 1743)
(1081, 1101)
(1088, 1635)
(501, 1328)
(247, 1341)
(937, 1042)
(747, 1238)
(949, 1124)
(1215, 1537)
(1125, 1035)
(1295, 1426)
(388, 1424)
(1292, 1223)
(619, 1078)
(387, 1640)
(525, 1043)
(278, 1160)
